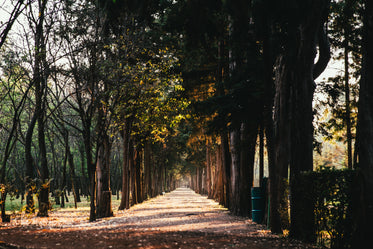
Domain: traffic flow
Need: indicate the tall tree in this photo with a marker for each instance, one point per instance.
(340, 92)
(363, 215)
(39, 81)
(295, 74)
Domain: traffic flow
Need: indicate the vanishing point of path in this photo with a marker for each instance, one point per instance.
(180, 219)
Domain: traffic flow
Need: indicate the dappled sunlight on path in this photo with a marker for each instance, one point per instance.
(180, 219)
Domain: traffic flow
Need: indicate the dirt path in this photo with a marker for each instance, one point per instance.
(180, 219)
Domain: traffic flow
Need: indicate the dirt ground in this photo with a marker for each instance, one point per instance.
(180, 219)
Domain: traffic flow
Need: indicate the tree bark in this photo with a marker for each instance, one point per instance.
(147, 170)
(363, 198)
(91, 167)
(235, 148)
(40, 82)
(139, 172)
(103, 203)
(347, 29)
(247, 155)
(226, 169)
(261, 154)
(208, 170)
(296, 72)
(124, 203)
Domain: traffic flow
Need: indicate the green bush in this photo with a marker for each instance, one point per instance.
(330, 191)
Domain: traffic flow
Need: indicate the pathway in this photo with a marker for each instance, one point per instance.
(180, 219)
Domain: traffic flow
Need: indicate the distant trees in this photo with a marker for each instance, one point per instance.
(86, 77)
(340, 92)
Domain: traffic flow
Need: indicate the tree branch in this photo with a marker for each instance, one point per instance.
(324, 53)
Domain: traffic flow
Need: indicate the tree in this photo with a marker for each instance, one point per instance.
(39, 81)
(363, 214)
(19, 6)
(13, 102)
(340, 93)
(295, 75)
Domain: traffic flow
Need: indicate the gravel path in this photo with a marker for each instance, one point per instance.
(180, 219)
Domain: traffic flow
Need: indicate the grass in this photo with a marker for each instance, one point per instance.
(15, 205)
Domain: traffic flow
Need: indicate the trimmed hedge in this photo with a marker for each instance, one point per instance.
(329, 193)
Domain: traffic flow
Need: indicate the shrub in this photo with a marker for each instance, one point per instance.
(330, 192)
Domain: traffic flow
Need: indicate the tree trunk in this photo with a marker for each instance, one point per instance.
(248, 142)
(347, 98)
(220, 188)
(40, 81)
(226, 169)
(132, 166)
(311, 32)
(139, 172)
(70, 159)
(124, 203)
(104, 208)
(295, 85)
(147, 170)
(91, 170)
(245, 169)
(208, 170)
(363, 210)
(63, 185)
(235, 145)
(274, 219)
(261, 154)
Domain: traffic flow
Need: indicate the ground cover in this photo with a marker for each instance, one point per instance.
(180, 219)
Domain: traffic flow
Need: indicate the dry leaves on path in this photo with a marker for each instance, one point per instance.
(180, 219)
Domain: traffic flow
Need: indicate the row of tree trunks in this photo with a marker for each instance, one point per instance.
(144, 175)
(238, 162)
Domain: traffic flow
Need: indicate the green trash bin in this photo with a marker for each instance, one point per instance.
(257, 204)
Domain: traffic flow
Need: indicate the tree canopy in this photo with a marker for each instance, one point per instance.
(139, 97)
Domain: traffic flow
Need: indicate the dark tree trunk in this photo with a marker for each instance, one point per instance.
(147, 170)
(125, 202)
(295, 85)
(261, 154)
(63, 185)
(208, 170)
(235, 148)
(220, 194)
(363, 211)
(139, 172)
(103, 202)
(40, 81)
(91, 169)
(155, 173)
(70, 159)
(83, 179)
(247, 154)
(226, 162)
(347, 30)
(133, 169)
(274, 219)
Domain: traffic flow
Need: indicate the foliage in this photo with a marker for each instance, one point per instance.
(329, 192)
(330, 106)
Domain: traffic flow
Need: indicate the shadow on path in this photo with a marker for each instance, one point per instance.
(180, 219)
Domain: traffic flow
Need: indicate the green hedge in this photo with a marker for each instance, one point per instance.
(330, 194)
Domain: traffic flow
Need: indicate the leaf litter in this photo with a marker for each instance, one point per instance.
(180, 219)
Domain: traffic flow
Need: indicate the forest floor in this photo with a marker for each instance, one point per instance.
(180, 219)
